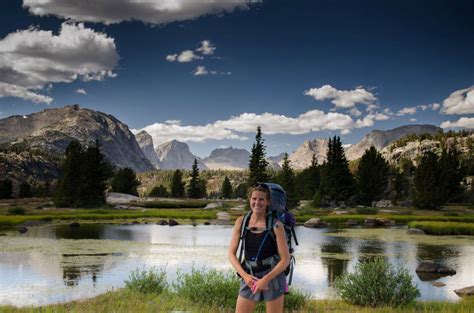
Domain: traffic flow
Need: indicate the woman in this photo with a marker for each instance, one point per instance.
(265, 282)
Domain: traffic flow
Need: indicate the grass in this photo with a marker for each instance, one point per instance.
(444, 228)
(174, 204)
(399, 219)
(124, 300)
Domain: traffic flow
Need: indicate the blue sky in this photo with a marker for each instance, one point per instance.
(208, 72)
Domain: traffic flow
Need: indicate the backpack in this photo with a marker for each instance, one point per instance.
(277, 211)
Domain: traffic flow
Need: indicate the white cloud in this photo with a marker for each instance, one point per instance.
(81, 91)
(381, 117)
(355, 112)
(343, 98)
(412, 120)
(271, 124)
(405, 111)
(184, 57)
(32, 59)
(206, 48)
(116, 11)
(172, 57)
(433, 106)
(459, 102)
(200, 70)
(463, 122)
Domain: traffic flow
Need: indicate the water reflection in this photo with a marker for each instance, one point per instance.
(92, 259)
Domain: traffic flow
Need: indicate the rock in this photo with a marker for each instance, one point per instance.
(207, 223)
(120, 198)
(315, 223)
(466, 291)
(213, 205)
(351, 223)
(162, 222)
(341, 212)
(74, 224)
(432, 267)
(382, 204)
(378, 222)
(172, 222)
(238, 208)
(415, 231)
(22, 229)
(438, 284)
(369, 221)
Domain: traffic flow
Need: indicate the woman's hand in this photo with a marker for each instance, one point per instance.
(260, 285)
(250, 280)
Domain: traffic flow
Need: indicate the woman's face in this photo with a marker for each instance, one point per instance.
(259, 201)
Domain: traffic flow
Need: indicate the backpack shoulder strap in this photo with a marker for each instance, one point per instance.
(243, 233)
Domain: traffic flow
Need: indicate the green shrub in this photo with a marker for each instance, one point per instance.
(16, 211)
(208, 287)
(151, 281)
(367, 210)
(377, 283)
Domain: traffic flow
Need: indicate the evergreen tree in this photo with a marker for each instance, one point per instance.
(337, 183)
(177, 185)
(426, 190)
(159, 191)
(450, 176)
(67, 192)
(258, 163)
(226, 189)
(25, 190)
(286, 178)
(372, 176)
(194, 187)
(307, 181)
(125, 181)
(6, 189)
(241, 191)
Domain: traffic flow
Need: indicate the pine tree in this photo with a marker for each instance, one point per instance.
(6, 189)
(194, 184)
(67, 192)
(307, 181)
(177, 185)
(226, 189)
(25, 190)
(286, 178)
(425, 188)
(337, 182)
(159, 191)
(450, 176)
(372, 176)
(125, 181)
(258, 163)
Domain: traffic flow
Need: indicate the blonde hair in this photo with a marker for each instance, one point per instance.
(259, 188)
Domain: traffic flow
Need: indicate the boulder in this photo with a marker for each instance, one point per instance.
(351, 223)
(415, 231)
(162, 222)
(22, 229)
(438, 284)
(382, 204)
(207, 223)
(238, 208)
(378, 222)
(74, 224)
(120, 198)
(172, 222)
(213, 205)
(315, 223)
(464, 292)
(435, 268)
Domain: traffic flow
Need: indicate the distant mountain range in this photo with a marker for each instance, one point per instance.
(51, 131)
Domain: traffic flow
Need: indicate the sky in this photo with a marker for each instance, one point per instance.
(208, 72)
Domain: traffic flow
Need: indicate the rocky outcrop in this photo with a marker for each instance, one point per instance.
(51, 130)
(466, 291)
(434, 268)
(315, 223)
(275, 162)
(302, 156)
(176, 155)
(228, 158)
(145, 142)
(382, 138)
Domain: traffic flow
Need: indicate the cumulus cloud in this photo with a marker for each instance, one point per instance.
(81, 91)
(407, 110)
(116, 11)
(200, 70)
(354, 112)
(32, 59)
(459, 102)
(236, 126)
(206, 48)
(184, 57)
(463, 122)
(433, 106)
(343, 98)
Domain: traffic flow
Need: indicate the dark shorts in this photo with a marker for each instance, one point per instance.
(276, 287)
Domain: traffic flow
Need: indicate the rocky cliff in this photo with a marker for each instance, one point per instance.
(51, 131)
(228, 158)
(145, 141)
(176, 155)
(302, 156)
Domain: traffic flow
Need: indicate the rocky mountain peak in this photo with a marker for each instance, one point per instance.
(228, 158)
(145, 141)
(176, 155)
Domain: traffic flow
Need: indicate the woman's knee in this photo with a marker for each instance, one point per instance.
(275, 305)
(244, 305)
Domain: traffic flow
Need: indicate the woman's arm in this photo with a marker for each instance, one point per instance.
(284, 254)
(232, 253)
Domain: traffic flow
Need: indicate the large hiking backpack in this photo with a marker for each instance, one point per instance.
(277, 211)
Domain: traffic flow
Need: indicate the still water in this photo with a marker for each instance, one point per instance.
(59, 263)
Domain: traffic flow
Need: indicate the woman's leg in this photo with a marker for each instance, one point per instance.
(275, 305)
(244, 305)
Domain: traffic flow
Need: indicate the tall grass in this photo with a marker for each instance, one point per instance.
(150, 281)
(444, 228)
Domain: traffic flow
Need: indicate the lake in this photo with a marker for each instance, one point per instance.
(53, 264)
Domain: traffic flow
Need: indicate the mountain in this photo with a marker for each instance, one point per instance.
(228, 158)
(275, 161)
(51, 131)
(145, 141)
(176, 155)
(382, 138)
(302, 156)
